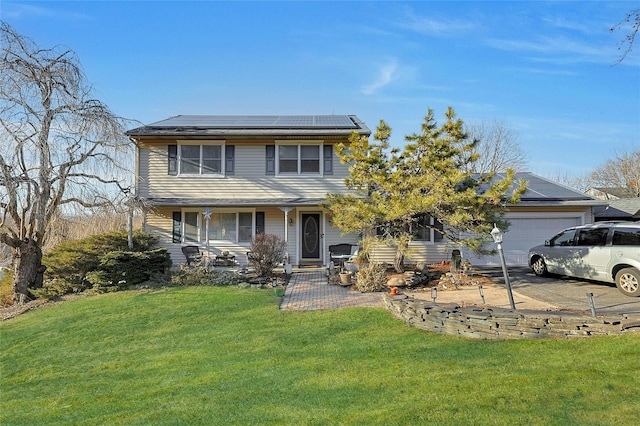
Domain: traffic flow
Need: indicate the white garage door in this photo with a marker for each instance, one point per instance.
(523, 234)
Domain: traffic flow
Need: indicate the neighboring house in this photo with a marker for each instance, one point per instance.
(609, 193)
(217, 181)
(627, 209)
(545, 209)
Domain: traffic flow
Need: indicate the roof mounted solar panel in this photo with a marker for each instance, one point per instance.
(259, 122)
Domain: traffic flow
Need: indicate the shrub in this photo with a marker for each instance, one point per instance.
(267, 251)
(202, 276)
(77, 257)
(371, 277)
(120, 269)
(6, 287)
(102, 262)
(55, 287)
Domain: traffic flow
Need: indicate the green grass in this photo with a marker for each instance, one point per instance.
(206, 355)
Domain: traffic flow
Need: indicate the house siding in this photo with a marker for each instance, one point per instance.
(249, 181)
(159, 222)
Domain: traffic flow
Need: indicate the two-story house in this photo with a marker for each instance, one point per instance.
(217, 181)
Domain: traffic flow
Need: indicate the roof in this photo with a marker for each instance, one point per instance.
(624, 208)
(235, 202)
(254, 125)
(544, 192)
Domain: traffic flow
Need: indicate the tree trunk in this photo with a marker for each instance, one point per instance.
(398, 262)
(29, 271)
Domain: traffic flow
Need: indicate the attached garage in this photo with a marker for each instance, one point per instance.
(526, 232)
(544, 210)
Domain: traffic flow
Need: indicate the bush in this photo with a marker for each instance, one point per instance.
(120, 269)
(77, 257)
(371, 277)
(267, 251)
(6, 287)
(55, 287)
(102, 262)
(202, 276)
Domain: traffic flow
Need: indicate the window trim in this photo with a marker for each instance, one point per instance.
(434, 236)
(224, 160)
(201, 225)
(299, 143)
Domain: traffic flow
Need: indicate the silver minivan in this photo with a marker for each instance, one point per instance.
(604, 251)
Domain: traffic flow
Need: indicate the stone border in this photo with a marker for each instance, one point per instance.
(500, 324)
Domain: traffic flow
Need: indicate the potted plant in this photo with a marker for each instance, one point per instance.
(345, 278)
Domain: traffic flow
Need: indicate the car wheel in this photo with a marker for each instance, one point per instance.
(539, 267)
(628, 282)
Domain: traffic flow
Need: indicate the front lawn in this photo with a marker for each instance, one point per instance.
(210, 355)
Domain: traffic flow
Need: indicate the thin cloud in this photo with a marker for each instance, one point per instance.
(385, 76)
(562, 48)
(435, 26)
(545, 71)
(20, 11)
(563, 23)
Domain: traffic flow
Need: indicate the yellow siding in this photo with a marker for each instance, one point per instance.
(418, 252)
(249, 182)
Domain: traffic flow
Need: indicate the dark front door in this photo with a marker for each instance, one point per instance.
(310, 236)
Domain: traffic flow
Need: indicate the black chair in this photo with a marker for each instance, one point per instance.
(339, 253)
(192, 254)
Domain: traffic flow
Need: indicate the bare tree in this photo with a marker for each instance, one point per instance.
(621, 172)
(60, 148)
(577, 183)
(498, 148)
(632, 20)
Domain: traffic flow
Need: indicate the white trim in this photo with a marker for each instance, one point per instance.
(201, 224)
(298, 143)
(201, 143)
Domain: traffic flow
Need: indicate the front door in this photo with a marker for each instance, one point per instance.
(310, 236)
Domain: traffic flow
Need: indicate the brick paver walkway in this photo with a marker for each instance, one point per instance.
(311, 290)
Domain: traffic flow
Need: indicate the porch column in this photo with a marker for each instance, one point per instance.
(206, 213)
(287, 264)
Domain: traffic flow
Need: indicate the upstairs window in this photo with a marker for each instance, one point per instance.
(200, 159)
(299, 159)
(207, 160)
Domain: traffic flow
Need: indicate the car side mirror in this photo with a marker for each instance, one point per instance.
(547, 243)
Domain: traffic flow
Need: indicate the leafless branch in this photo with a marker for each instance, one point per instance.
(625, 45)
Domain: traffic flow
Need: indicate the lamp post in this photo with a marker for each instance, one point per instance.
(496, 234)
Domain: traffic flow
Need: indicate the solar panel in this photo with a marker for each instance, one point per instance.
(259, 122)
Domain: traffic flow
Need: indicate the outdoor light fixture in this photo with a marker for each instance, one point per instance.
(496, 234)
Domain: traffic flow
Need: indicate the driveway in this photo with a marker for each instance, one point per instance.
(566, 293)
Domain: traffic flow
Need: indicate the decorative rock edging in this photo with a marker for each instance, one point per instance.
(498, 323)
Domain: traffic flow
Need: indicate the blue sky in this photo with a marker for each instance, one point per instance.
(543, 69)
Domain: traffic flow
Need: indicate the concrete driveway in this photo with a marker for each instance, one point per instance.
(566, 293)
